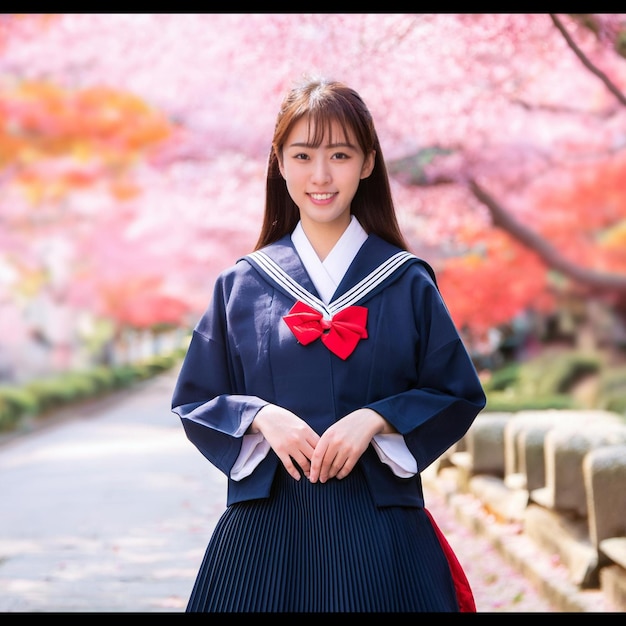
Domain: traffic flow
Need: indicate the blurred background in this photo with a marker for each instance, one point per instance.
(133, 150)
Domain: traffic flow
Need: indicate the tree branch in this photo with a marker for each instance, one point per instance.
(532, 240)
(586, 62)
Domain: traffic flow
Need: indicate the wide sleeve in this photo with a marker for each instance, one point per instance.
(207, 396)
(447, 394)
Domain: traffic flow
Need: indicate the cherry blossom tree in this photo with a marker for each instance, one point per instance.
(133, 151)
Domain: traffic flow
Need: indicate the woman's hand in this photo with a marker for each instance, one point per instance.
(289, 436)
(342, 445)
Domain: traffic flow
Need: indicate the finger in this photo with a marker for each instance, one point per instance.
(306, 454)
(330, 466)
(345, 470)
(301, 465)
(304, 464)
(317, 459)
(308, 449)
(292, 470)
(306, 470)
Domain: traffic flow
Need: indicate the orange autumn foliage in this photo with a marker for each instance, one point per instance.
(494, 283)
(53, 140)
(585, 215)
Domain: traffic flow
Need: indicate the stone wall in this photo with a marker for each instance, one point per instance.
(562, 476)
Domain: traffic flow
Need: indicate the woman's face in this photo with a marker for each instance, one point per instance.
(322, 181)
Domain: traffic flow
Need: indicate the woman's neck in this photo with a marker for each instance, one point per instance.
(324, 236)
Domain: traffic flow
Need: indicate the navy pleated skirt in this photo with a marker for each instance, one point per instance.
(323, 548)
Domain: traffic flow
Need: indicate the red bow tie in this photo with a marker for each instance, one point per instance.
(339, 334)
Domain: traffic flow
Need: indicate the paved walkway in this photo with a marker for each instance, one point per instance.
(109, 508)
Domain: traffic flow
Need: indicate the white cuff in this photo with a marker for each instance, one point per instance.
(254, 449)
(393, 451)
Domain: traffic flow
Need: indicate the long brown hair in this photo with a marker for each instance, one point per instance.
(323, 102)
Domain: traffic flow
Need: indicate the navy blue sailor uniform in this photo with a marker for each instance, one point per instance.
(363, 543)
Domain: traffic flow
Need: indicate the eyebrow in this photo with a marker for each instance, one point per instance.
(304, 144)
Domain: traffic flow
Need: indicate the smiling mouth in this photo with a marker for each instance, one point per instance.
(321, 196)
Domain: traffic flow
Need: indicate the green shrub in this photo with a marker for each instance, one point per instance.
(502, 378)
(511, 403)
(123, 375)
(103, 378)
(39, 397)
(611, 394)
(50, 393)
(540, 383)
(15, 403)
(556, 373)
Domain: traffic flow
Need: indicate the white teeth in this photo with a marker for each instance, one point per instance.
(322, 196)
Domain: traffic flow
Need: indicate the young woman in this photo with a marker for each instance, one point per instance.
(324, 376)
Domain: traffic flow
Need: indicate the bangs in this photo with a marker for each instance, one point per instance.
(330, 125)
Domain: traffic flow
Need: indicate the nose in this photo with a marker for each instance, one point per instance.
(321, 173)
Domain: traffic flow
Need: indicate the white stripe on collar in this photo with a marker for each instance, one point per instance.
(353, 295)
